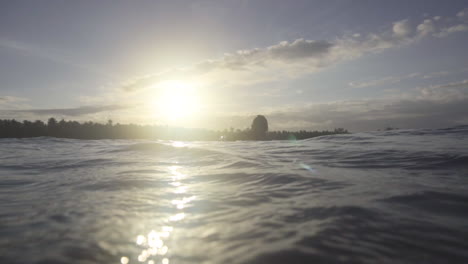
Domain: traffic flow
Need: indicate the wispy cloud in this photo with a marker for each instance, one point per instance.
(258, 59)
(462, 84)
(397, 79)
(364, 115)
(444, 73)
(78, 111)
(446, 92)
(11, 99)
(452, 29)
(290, 59)
(12, 102)
(53, 56)
(383, 81)
(433, 106)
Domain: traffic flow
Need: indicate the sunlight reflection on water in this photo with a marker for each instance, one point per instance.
(153, 244)
(383, 197)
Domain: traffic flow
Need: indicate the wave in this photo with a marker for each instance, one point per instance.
(396, 196)
(451, 204)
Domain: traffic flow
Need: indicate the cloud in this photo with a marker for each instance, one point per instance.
(448, 29)
(299, 49)
(361, 115)
(291, 59)
(12, 102)
(462, 84)
(78, 111)
(426, 27)
(365, 115)
(446, 92)
(51, 55)
(383, 81)
(440, 105)
(463, 14)
(436, 74)
(436, 106)
(11, 99)
(243, 60)
(396, 79)
(402, 29)
(377, 82)
(452, 29)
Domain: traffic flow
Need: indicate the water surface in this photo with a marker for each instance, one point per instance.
(383, 197)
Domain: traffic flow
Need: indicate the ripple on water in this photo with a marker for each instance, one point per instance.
(378, 197)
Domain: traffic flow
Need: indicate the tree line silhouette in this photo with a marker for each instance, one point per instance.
(91, 130)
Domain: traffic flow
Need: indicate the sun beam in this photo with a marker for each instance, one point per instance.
(177, 100)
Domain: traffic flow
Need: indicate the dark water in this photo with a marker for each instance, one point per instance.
(384, 197)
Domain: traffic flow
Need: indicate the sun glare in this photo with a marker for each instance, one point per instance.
(177, 100)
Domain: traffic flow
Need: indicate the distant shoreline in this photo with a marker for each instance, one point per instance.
(10, 128)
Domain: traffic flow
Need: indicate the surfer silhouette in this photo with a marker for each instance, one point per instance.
(259, 128)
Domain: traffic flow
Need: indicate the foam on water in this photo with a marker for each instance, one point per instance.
(397, 196)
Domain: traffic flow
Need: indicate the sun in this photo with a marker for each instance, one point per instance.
(177, 100)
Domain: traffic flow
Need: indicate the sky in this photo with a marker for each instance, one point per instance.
(361, 65)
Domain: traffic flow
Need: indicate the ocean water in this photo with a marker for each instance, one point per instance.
(398, 196)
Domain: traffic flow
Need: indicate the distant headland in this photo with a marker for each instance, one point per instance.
(10, 128)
